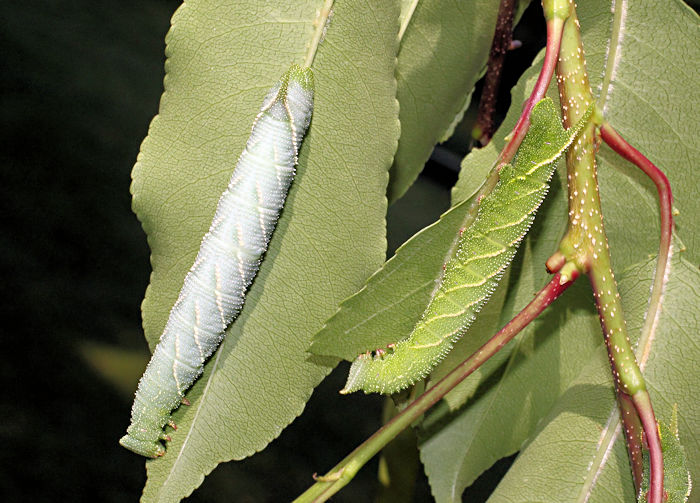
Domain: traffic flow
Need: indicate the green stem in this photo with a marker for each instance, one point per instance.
(329, 484)
(399, 462)
(585, 243)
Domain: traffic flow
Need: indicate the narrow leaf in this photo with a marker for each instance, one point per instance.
(221, 60)
(444, 48)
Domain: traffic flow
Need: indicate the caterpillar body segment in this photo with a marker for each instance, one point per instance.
(214, 289)
(482, 253)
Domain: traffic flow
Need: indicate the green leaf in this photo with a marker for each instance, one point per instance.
(222, 58)
(650, 94)
(444, 49)
(580, 435)
(677, 483)
(388, 306)
(374, 317)
(522, 387)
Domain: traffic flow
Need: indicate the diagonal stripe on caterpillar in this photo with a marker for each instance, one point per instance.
(472, 272)
(228, 259)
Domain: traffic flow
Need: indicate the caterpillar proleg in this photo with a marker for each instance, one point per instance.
(482, 252)
(228, 260)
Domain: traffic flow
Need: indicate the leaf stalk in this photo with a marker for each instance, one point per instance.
(555, 27)
(663, 187)
(320, 24)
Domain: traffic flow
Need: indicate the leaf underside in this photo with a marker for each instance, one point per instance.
(221, 60)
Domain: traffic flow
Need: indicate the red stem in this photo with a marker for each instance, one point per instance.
(633, 432)
(548, 294)
(554, 31)
(642, 403)
(624, 149)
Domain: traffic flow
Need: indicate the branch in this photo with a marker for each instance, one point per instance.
(484, 127)
(585, 245)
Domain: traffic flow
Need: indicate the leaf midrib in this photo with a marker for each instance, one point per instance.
(200, 405)
(614, 50)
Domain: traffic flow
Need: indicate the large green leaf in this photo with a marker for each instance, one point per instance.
(222, 58)
(578, 453)
(651, 95)
(389, 305)
(520, 389)
(444, 47)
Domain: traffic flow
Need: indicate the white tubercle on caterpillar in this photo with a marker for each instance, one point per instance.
(228, 260)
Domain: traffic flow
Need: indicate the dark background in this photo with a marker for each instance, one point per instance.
(80, 81)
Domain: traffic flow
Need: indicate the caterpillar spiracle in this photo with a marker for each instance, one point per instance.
(481, 254)
(228, 259)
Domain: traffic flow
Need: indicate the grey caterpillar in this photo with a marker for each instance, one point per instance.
(228, 260)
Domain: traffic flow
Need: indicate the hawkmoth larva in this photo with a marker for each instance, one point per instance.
(482, 252)
(228, 259)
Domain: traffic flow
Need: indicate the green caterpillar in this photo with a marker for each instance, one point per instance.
(483, 251)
